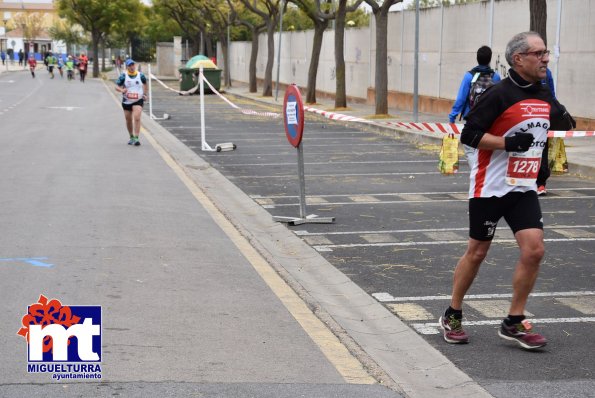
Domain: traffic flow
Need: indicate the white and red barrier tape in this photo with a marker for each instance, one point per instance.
(195, 89)
(436, 128)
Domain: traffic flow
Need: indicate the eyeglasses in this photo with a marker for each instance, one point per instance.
(538, 54)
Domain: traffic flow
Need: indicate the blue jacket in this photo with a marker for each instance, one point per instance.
(461, 105)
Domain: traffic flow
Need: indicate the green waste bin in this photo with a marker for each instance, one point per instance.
(187, 79)
(214, 77)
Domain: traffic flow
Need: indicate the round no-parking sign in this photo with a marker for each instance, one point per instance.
(293, 115)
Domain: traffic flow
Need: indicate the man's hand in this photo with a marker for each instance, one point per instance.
(520, 142)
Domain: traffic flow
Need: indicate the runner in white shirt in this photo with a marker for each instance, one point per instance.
(133, 86)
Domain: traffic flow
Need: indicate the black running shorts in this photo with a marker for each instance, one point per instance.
(128, 107)
(521, 210)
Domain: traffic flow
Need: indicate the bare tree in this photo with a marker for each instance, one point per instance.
(255, 30)
(270, 15)
(320, 25)
(339, 17)
(380, 9)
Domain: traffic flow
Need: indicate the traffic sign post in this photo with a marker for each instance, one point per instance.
(293, 119)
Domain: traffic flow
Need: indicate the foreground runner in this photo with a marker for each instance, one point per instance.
(133, 86)
(507, 132)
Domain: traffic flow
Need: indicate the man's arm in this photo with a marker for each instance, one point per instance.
(459, 105)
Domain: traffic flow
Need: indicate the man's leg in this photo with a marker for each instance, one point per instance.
(467, 269)
(527, 268)
(128, 117)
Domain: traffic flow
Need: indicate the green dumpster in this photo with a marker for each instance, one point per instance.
(186, 79)
(214, 77)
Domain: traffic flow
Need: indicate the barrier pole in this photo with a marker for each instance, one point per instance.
(204, 145)
(150, 93)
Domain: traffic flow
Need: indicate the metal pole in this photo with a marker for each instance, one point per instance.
(440, 51)
(279, 50)
(150, 93)
(202, 111)
(227, 61)
(302, 181)
(491, 33)
(557, 48)
(416, 64)
(402, 44)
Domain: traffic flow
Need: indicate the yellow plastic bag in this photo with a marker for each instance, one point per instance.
(557, 156)
(449, 155)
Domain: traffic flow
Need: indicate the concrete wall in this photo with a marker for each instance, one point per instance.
(464, 29)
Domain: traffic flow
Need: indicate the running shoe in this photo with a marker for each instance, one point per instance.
(136, 142)
(453, 330)
(131, 142)
(541, 191)
(523, 334)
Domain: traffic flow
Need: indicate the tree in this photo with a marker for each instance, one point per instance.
(339, 16)
(380, 9)
(538, 17)
(256, 26)
(32, 25)
(99, 18)
(70, 34)
(320, 25)
(187, 18)
(270, 15)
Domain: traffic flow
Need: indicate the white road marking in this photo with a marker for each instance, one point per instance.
(286, 176)
(385, 297)
(433, 327)
(400, 231)
(434, 243)
(574, 233)
(328, 163)
(364, 199)
(375, 238)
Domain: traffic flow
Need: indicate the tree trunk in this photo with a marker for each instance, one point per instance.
(381, 79)
(267, 89)
(340, 88)
(225, 50)
(103, 55)
(95, 37)
(319, 28)
(253, 58)
(538, 17)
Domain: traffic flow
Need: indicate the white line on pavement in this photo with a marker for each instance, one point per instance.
(329, 248)
(386, 297)
(432, 327)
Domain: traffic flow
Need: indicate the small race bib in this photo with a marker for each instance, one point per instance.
(523, 167)
(132, 96)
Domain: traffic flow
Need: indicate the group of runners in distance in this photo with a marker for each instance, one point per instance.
(62, 63)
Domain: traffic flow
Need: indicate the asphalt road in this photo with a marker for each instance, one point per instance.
(400, 228)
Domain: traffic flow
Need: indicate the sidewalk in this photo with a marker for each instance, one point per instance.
(579, 151)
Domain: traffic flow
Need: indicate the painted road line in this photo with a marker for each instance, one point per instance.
(327, 248)
(434, 327)
(337, 354)
(390, 202)
(329, 163)
(286, 176)
(401, 231)
(385, 297)
(397, 194)
(35, 261)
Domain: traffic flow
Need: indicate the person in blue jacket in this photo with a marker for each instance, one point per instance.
(544, 172)
(461, 105)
